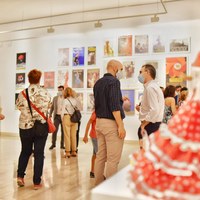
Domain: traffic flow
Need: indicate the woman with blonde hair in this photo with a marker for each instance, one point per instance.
(69, 105)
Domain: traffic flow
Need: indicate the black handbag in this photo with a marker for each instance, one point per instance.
(76, 116)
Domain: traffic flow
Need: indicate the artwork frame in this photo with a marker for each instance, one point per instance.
(21, 61)
(125, 45)
(130, 93)
(49, 80)
(176, 70)
(92, 77)
(20, 81)
(158, 44)
(180, 45)
(109, 47)
(141, 44)
(90, 102)
(78, 78)
(91, 58)
(63, 57)
(78, 56)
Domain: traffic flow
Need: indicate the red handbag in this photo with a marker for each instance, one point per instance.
(51, 126)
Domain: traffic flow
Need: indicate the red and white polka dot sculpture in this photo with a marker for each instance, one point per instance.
(170, 168)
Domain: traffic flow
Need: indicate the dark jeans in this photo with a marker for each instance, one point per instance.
(150, 128)
(32, 143)
(57, 121)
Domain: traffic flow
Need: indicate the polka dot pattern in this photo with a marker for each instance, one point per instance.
(159, 172)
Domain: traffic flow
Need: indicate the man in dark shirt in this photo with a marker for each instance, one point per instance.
(109, 124)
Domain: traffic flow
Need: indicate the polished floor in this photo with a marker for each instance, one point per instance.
(63, 178)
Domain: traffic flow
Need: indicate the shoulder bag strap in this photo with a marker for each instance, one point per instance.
(27, 97)
(29, 104)
(71, 104)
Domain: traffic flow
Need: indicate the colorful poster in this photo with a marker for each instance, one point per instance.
(21, 61)
(129, 69)
(49, 80)
(92, 55)
(63, 57)
(176, 71)
(125, 45)
(79, 96)
(129, 108)
(90, 102)
(141, 44)
(108, 48)
(78, 78)
(20, 81)
(92, 77)
(158, 44)
(180, 45)
(63, 78)
(78, 56)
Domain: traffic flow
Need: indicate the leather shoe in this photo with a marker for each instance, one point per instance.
(51, 147)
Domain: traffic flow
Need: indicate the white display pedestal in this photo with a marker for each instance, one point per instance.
(114, 188)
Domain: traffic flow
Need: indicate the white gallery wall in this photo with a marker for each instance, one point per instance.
(42, 53)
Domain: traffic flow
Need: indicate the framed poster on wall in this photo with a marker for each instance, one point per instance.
(125, 45)
(63, 57)
(176, 71)
(92, 77)
(129, 108)
(49, 80)
(141, 44)
(21, 61)
(179, 45)
(77, 78)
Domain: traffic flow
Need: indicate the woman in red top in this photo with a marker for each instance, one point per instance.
(92, 123)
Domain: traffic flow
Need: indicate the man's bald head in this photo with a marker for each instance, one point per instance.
(114, 65)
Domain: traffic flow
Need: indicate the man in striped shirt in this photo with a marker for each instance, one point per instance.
(109, 124)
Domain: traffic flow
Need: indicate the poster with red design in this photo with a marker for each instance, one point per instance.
(20, 81)
(49, 80)
(21, 61)
(176, 71)
(125, 45)
(92, 77)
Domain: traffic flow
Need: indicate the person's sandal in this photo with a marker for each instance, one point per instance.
(20, 182)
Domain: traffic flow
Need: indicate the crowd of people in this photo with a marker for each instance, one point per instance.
(105, 126)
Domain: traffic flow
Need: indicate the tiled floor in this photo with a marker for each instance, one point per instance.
(63, 178)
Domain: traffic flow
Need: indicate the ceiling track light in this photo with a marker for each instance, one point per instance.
(50, 30)
(98, 24)
(155, 18)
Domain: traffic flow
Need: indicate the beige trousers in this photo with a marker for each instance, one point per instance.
(109, 149)
(69, 129)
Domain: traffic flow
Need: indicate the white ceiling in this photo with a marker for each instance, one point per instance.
(27, 18)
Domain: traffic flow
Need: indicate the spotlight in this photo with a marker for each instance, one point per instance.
(155, 18)
(50, 29)
(98, 24)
